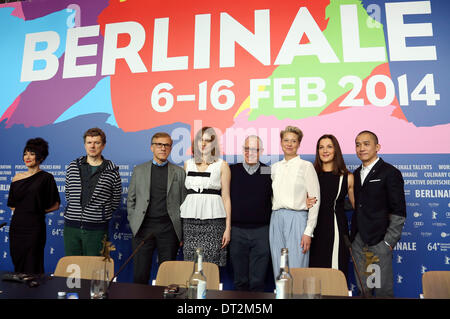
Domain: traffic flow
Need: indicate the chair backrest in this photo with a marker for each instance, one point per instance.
(332, 281)
(436, 284)
(179, 271)
(87, 265)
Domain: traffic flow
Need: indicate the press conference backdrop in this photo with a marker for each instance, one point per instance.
(134, 68)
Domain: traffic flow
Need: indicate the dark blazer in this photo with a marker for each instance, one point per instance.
(139, 195)
(380, 207)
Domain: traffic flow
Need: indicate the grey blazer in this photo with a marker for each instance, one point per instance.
(139, 195)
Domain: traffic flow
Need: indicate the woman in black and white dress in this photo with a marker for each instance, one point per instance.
(328, 248)
(206, 211)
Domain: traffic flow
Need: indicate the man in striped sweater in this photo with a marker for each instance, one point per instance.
(93, 192)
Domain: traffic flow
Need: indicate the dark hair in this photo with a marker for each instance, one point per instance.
(95, 131)
(215, 152)
(339, 167)
(39, 147)
(375, 137)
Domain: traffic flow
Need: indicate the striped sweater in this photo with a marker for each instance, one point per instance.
(104, 200)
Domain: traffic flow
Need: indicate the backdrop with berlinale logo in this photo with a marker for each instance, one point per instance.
(134, 67)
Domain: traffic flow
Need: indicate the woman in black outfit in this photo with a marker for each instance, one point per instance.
(328, 248)
(32, 194)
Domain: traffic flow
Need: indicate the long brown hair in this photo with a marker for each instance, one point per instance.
(215, 151)
(339, 167)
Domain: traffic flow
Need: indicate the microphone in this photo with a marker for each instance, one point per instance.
(349, 246)
(2, 225)
(148, 237)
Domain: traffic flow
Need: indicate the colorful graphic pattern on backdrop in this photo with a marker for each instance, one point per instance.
(137, 67)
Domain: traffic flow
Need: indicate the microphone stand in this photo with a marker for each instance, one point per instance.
(349, 246)
(149, 236)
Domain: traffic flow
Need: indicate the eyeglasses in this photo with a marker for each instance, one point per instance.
(251, 149)
(160, 145)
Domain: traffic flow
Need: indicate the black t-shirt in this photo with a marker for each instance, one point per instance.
(89, 179)
(158, 192)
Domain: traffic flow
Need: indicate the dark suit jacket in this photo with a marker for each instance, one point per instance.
(380, 208)
(139, 195)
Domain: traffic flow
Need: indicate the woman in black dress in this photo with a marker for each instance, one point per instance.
(32, 194)
(328, 248)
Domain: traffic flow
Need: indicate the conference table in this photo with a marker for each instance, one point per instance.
(49, 286)
(219, 303)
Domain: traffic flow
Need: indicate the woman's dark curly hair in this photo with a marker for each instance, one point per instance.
(39, 147)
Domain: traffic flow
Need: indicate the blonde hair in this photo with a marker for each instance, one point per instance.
(292, 129)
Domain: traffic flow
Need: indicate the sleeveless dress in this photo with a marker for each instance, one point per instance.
(203, 214)
(328, 249)
(30, 197)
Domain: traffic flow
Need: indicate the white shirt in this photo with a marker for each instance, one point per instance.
(291, 180)
(365, 170)
(251, 169)
(203, 206)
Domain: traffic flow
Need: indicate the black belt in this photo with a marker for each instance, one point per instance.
(201, 174)
(205, 191)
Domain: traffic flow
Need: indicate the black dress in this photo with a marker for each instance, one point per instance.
(322, 243)
(30, 197)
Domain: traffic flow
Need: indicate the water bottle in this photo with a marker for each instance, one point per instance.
(197, 281)
(284, 282)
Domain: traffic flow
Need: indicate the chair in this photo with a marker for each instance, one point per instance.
(179, 271)
(332, 281)
(87, 265)
(436, 284)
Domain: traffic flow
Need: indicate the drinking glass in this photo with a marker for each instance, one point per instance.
(99, 283)
(312, 288)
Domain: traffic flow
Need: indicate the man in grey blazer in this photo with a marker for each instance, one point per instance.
(155, 194)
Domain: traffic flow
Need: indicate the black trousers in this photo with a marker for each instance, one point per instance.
(250, 257)
(165, 241)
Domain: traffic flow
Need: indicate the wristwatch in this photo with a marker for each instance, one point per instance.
(388, 244)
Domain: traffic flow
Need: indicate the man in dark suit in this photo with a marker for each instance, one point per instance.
(380, 213)
(155, 194)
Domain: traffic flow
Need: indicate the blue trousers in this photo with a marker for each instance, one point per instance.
(286, 231)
